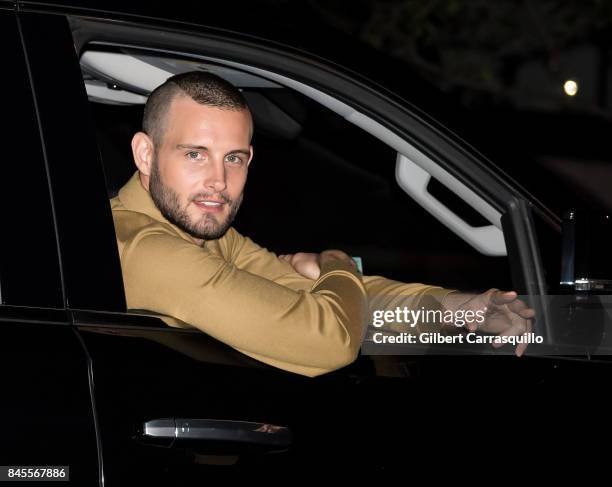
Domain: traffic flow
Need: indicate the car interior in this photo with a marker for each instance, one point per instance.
(323, 175)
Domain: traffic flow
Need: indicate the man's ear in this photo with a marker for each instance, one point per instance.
(143, 150)
(251, 156)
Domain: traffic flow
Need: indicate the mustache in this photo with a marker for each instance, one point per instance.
(203, 196)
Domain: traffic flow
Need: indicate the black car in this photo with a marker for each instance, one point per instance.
(122, 399)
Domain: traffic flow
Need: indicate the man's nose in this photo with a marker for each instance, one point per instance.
(214, 178)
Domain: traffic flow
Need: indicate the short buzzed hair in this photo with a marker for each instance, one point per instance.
(202, 87)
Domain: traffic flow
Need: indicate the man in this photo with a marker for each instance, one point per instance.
(180, 257)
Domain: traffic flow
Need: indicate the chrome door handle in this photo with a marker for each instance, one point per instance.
(207, 433)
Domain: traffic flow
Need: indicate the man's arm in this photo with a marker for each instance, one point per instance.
(504, 313)
(296, 271)
(381, 292)
(305, 331)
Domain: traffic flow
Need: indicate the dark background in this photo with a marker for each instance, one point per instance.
(506, 63)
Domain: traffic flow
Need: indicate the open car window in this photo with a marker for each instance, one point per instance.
(319, 162)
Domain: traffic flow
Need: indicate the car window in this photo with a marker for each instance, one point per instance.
(317, 181)
(29, 264)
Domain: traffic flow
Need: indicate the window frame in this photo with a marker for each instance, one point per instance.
(90, 259)
(31, 257)
(366, 97)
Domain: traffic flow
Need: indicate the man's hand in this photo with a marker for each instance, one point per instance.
(309, 264)
(504, 313)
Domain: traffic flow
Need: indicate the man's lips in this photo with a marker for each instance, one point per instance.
(210, 205)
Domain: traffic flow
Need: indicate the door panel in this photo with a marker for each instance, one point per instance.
(145, 370)
(46, 406)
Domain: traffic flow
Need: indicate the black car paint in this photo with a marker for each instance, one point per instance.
(44, 370)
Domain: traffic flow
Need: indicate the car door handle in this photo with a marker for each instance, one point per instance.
(488, 240)
(213, 434)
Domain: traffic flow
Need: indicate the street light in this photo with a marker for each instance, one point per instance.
(570, 87)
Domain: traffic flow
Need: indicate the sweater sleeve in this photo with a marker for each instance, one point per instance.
(307, 329)
(382, 293)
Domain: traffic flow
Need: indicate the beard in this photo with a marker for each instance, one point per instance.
(207, 227)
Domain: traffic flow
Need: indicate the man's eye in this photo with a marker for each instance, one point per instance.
(234, 159)
(194, 155)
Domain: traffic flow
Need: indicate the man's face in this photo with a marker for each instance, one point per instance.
(200, 167)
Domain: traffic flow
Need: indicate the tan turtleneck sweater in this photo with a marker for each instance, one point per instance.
(244, 295)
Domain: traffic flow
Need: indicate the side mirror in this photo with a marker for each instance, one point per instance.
(582, 316)
(586, 253)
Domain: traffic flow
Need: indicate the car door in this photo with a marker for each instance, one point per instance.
(46, 406)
